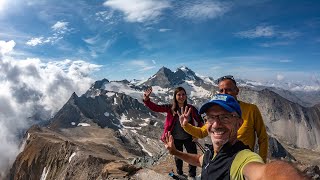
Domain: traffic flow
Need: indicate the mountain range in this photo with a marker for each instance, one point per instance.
(108, 133)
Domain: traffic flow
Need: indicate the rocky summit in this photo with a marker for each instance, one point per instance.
(108, 133)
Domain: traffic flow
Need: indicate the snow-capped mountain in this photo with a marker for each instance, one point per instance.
(304, 93)
(165, 78)
(105, 131)
(304, 132)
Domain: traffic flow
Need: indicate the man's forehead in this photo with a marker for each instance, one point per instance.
(226, 82)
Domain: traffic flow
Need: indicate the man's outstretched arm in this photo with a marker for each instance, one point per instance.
(274, 170)
(193, 159)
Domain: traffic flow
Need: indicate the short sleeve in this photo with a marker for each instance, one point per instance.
(243, 158)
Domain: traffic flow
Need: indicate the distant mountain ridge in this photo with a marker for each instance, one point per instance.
(165, 78)
(108, 132)
(277, 110)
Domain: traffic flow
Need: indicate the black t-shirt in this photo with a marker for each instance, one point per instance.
(177, 131)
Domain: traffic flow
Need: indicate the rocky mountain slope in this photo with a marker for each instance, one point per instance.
(108, 132)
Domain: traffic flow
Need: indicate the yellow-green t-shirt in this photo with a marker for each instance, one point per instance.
(242, 158)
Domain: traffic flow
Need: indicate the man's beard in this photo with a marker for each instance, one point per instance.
(220, 142)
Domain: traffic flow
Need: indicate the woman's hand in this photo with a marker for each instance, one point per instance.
(146, 95)
(183, 116)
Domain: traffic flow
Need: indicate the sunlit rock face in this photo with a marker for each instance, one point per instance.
(289, 121)
(83, 153)
(108, 133)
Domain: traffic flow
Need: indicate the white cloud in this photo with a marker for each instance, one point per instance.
(259, 31)
(3, 4)
(280, 77)
(92, 40)
(268, 32)
(60, 26)
(6, 47)
(7, 7)
(289, 34)
(98, 45)
(107, 17)
(164, 30)
(34, 90)
(141, 65)
(139, 10)
(154, 61)
(202, 10)
(35, 41)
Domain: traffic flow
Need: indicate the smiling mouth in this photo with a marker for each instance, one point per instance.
(219, 131)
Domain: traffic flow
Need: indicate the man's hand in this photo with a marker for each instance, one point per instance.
(183, 116)
(193, 159)
(146, 95)
(169, 143)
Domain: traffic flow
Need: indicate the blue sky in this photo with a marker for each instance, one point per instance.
(254, 39)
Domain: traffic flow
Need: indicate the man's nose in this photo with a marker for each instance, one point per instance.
(215, 123)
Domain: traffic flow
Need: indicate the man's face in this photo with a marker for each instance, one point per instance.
(222, 125)
(228, 87)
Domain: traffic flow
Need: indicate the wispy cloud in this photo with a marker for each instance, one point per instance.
(164, 30)
(285, 60)
(139, 10)
(264, 31)
(92, 40)
(289, 34)
(104, 15)
(215, 67)
(259, 31)
(202, 10)
(60, 28)
(154, 61)
(141, 65)
(108, 18)
(35, 41)
(272, 44)
(98, 45)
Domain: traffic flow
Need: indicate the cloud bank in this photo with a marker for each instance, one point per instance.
(33, 91)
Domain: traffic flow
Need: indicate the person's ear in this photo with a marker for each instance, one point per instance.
(240, 122)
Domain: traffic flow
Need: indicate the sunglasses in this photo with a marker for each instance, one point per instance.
(226, 77)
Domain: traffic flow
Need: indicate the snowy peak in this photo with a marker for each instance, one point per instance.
(165, 78)
(99, 84)
(187, 73)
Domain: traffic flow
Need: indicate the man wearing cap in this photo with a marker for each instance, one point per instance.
(229, 158)
(253, 123)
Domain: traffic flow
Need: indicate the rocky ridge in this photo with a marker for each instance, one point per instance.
(109, 133)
